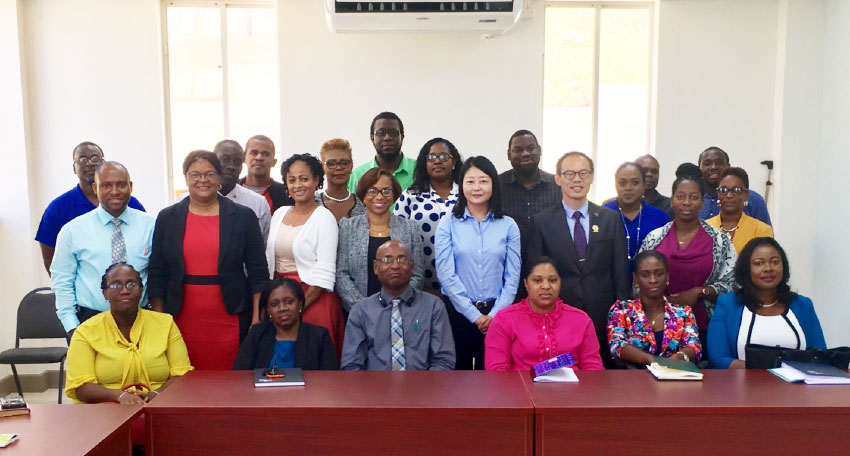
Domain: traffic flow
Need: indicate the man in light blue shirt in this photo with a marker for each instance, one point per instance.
(90, 243)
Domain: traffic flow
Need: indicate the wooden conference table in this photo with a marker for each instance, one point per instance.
(730, 412)
(73, 430)
(351, 413)
(463, 412)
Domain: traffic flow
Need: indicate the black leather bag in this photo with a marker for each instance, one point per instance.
(766, 357)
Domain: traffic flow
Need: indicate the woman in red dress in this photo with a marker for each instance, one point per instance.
(202, 248)
(302, 245)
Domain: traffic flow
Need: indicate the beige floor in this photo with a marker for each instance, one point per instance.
(45, 397)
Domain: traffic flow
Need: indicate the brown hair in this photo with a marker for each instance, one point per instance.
(370, 178)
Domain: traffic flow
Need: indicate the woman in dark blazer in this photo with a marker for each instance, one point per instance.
(282, 339)
(202, 248)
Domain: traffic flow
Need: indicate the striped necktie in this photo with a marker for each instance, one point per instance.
(119, 250)
(397, 337)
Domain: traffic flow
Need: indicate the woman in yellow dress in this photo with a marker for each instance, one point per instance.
(127, 354)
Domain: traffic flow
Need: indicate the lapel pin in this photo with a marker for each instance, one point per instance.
(595, 228)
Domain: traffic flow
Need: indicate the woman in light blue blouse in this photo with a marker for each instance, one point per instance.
(478, 260)
(432, 195)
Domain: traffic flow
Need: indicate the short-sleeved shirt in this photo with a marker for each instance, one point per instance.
(65, 208)
(403, 174)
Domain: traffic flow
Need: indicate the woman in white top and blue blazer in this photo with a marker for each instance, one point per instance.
(302, 245)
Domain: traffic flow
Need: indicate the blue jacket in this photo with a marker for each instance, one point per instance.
(726, 322)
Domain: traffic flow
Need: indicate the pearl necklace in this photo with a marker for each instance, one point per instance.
(628, 237)
(337, 199)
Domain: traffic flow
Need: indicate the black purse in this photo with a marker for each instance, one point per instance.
(766, 357)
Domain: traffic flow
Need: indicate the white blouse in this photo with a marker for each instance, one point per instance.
(772, 331)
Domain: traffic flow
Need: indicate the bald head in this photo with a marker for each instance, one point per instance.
(393, 266)
(113, 187)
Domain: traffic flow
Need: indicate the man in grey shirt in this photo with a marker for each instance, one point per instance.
(399, 327)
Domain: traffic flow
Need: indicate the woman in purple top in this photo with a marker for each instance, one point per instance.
(701, 259)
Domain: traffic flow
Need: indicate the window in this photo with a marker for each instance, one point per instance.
(222, 73)
(596, 85)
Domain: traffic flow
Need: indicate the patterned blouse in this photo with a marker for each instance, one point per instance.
(627, 324)
(426, 209)
(722, 277)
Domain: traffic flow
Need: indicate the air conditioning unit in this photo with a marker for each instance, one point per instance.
(422, 16)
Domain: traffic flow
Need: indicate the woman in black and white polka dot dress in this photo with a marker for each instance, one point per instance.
(432, 194)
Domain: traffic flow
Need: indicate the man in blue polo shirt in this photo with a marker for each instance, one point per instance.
(73, 203)
(89, 244)
(712, 162)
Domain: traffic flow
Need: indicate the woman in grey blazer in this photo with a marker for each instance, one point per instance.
(360, 237)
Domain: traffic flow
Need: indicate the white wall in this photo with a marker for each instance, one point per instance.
(832, 252)
(472, 91)
(95, 73)
(716, 71)
(20, 257)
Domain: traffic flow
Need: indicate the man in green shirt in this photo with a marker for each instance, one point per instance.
(387, 133)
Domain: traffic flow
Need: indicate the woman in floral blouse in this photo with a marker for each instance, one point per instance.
(649, 326)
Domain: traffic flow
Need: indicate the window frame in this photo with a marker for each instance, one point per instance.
(166, 75)
(598, 6)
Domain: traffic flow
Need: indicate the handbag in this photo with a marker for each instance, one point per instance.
(767, 357)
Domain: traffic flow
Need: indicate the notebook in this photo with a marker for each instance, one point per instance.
(674, 369)
(811, 373)
(282, 377)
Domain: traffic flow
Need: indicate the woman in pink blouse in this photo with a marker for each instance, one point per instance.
(540, 327)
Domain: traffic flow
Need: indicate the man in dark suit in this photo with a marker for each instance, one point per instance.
(587, 243)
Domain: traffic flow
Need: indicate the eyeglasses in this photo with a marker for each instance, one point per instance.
(93, 160)
(332, 164)
(385, 192)
(570, 174)
(131, 285)
(388, 260)
(735, 190)
(194, 175)
(441, 157)
(391, 133)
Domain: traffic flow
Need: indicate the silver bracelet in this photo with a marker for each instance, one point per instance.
(121, 395)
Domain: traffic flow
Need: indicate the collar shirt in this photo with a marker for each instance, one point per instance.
(84, 252)
(65, 208)
(585, 219)
(523, 203)
(428, 342)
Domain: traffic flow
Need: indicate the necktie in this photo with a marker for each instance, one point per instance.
(397, 337)
(579, 237)
(119, 250)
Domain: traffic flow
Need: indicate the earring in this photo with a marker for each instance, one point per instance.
(746, 203)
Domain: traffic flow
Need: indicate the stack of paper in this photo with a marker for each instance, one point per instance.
(674, 369)
(811, 373)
